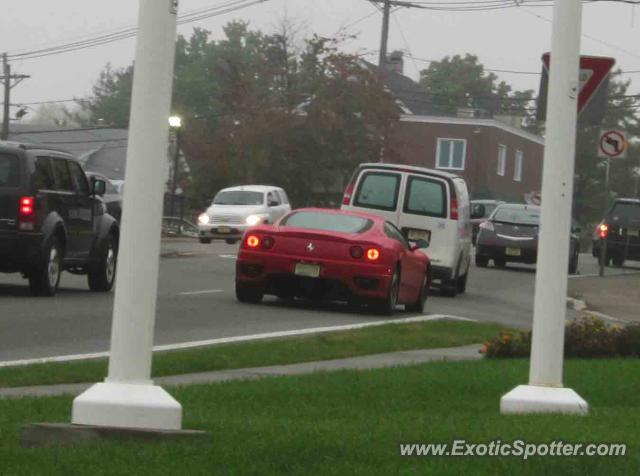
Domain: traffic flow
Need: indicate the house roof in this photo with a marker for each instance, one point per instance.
(411, 98)
(102, 150)
(472, 121)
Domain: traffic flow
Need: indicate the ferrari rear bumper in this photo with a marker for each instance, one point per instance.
(282, 275)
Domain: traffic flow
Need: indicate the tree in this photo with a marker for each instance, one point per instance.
(462, 82)
(111, 100)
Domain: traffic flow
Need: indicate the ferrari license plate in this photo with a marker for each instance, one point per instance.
(415, 235)
(224, 229)
(308, 270)
(513, 252)
(633, 232)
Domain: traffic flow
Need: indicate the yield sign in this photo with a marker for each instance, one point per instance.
(593, 71)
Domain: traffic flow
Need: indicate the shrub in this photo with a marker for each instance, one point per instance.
(585, 337)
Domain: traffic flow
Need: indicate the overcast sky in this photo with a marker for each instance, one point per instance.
(512, 39)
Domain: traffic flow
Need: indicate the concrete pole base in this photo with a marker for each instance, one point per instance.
(125, 405)
(535, 399)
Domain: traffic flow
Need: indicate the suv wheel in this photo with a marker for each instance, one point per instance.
(618, 261)
(231, 241)
(44, 280)
(205, 241)
(102, 274)
(482, 261)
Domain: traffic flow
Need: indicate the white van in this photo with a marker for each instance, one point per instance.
(426, 204)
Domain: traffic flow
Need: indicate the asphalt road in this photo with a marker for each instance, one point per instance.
(196, 301)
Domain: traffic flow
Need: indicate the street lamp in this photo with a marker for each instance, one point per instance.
(175, 122)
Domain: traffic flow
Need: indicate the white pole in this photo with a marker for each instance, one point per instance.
(128, 398)
(544, 392)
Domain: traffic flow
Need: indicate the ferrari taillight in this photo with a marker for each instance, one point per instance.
(373, 254)
(356, 252)
(252, 241)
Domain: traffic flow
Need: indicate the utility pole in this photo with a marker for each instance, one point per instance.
(545, 392)
(386, 13)
(7, 81)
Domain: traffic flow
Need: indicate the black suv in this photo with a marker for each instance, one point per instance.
(621, 228)
(53, 219)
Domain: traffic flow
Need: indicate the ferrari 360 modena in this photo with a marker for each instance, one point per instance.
(322, 254)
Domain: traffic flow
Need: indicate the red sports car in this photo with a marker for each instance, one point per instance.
(332, 254)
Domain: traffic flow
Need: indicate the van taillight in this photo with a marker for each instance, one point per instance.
(454, 209)
(26, 213)
(346, 200)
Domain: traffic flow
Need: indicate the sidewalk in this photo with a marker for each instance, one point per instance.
(376, 361)
(616, 296)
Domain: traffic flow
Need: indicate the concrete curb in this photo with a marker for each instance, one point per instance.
(366, 362)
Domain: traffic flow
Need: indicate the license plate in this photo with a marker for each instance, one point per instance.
(308, 270)
(633, 232)
(415, 235)
(513, 252)
(224, 229)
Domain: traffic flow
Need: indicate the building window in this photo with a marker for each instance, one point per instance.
(502, 159)
(451, 153)
(517, 172)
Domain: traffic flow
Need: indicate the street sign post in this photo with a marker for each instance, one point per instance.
(545, 392)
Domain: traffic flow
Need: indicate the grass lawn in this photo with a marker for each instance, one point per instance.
(351, 422)
(335, 345)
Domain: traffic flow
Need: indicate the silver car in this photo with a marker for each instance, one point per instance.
(236, 209)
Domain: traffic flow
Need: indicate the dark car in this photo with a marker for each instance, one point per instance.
(111, 198)
(480, 211)
(511, 235)
(53, 219)
(621, 228)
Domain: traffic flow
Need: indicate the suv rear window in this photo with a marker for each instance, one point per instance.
(426, 197)
(378, 190)
(9, 171)
(625, 212)
(328, 222)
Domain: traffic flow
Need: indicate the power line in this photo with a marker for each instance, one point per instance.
(126, 33)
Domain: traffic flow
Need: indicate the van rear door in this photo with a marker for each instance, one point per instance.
(9, 190)
(426, 216)
(378, 192)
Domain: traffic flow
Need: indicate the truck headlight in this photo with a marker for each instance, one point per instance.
(204, 219)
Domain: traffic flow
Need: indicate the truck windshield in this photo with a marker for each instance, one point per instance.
(9, 171)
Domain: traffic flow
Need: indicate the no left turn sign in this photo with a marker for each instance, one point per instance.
(612, 145)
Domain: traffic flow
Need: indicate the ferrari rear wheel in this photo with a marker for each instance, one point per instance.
(388, 306)
(249, 294)
(418, 306)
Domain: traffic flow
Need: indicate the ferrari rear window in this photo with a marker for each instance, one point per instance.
(328, 222)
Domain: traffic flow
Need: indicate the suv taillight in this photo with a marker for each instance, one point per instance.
(454, 209)
(346, 199)
(26, 214)
(603, 230)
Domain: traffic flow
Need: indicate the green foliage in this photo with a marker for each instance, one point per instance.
(257, 108)
(111, 99)
(459, 82)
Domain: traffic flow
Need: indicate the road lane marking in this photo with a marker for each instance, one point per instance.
(198, 293)
(228, 256)
(229, 340)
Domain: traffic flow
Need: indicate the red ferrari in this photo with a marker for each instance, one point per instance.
(335, 255)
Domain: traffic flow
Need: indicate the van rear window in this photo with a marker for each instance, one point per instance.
(9, 171)
(426, 197)
(378, 190)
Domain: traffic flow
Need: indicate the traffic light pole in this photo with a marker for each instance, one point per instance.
(545, 393)
(128, 398)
